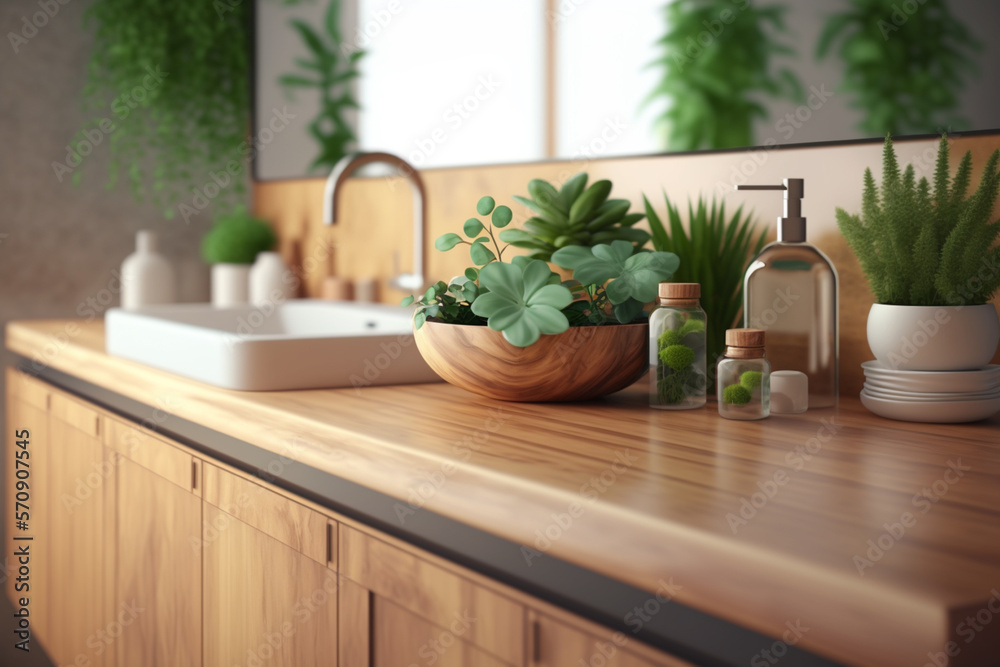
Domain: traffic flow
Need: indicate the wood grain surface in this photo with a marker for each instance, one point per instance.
(576, 365)
(876, 535)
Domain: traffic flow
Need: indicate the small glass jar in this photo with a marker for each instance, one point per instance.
(743, 378)
(677, 377)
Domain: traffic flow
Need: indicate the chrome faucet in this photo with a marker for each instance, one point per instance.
(347, 165)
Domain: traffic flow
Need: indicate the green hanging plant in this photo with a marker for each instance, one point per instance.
(168, 84)
(329, 71)
(904, 71)
(715, 69)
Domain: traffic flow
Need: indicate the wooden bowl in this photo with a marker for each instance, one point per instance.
(579, 364)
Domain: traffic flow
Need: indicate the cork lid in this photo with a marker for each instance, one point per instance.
(745, 337)
(680, 291)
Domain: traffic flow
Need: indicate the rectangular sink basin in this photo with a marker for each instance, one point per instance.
(299, 344)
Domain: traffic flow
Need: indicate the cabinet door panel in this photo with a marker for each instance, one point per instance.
(295, 525)
(26, 416)
(401, 638)
(151, 453)
(264, 601)
(158, 570)
(433, 593)
(557, 644)
(78, 628)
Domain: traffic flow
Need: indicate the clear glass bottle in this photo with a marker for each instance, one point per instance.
(743, 377)
(677, 377)
(790, 291)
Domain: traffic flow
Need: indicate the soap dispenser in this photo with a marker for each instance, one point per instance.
(790, 291)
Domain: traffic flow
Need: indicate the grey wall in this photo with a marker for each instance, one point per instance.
(60, 244)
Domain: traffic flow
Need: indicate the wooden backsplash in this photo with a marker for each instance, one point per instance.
(376, 221)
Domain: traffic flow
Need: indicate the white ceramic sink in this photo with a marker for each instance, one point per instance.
(299, 344)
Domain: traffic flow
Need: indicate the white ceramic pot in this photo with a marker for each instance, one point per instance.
(270, 280)
(230, 285)
(933, 338)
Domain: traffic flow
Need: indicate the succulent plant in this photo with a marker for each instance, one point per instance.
(574, 215)
(524, 300)
(634, 276)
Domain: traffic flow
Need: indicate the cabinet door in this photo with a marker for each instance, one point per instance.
(27, 414)
(554, 643)
(270, 588)
(398, 608)
(157, 551)
(76, 628)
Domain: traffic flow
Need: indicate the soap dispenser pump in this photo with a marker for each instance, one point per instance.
(790, 291)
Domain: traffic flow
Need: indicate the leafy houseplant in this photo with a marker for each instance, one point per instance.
(329, 71)
(524, 298)
(525, 305)
(168, 83)
(231, 247)
(716, 255)
(573, 215)
(710, 94)
(934, 247)
(904, 71)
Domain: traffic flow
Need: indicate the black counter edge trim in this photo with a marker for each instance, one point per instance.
(683, 631)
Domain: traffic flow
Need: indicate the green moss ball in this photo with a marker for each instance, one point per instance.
(678, 357)
(751, 379)
(692, 326)
(736, 394)
(668, 338)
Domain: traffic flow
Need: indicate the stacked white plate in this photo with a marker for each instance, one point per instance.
(931, 396)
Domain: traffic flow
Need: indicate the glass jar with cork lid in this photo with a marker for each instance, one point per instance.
(743, 380)
(677, 348)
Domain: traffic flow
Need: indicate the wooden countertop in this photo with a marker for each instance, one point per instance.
(880, 537)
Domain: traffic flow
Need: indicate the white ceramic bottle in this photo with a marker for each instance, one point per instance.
(147, 277)
(271, 282)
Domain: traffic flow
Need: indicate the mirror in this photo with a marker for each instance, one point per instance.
(448, 83)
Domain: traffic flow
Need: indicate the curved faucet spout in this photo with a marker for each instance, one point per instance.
(345, 168)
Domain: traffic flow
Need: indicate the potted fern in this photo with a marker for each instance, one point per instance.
(930, 257)
(511, 328)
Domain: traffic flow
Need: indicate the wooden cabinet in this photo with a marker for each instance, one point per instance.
(146, 553)
(72, 541)
(398, 608)
(28, 424)
(157, 550)
(572, 641)
(270, 587)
